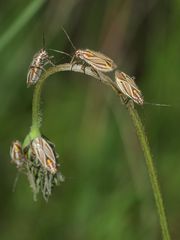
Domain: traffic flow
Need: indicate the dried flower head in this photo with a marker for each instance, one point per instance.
(17, 155)
(39, 161)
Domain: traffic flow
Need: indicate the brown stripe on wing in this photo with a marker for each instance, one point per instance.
(137, 96)
(88, 54)
(128, 87)
(125, 88)
(34, 74)
(99, 64)
(99, 60)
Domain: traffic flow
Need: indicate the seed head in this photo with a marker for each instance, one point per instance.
(17, 155)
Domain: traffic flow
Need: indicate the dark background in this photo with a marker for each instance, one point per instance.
(106, 194)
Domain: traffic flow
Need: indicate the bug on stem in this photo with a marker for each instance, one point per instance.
(128, 87)
(97, 60)
(36, 67)
(40, 59)
(42, 150)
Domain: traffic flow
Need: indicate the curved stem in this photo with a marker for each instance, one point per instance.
(136, 121)
(151, 171)
(36, 118)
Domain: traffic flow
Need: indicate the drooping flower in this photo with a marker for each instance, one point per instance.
(38, 159)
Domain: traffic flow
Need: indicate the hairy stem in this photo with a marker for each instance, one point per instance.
(136, 121)
(36, 119)
(151, 171)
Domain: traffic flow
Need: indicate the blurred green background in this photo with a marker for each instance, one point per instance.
(106, 194)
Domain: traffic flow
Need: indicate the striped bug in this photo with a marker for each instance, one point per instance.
(42, 150)
(40, 59)
(128, 87)
(16, 153)
(97, 60)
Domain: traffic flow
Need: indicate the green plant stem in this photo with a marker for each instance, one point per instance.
(151, 171)
(136, 121)
(36, 116)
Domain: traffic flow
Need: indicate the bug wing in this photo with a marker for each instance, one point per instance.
(48, 151)
(99, 61)
(38, 151)
(128, 87)
(33, 75)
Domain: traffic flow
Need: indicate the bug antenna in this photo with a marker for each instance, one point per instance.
(158, 104)
(15, 182)
(68, 38)
(43, 40)
(54, 50)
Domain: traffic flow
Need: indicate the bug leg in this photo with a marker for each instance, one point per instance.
(124, 99)
(83, 67)
(72, 59)
(76, 62)
(96, 72)
(127, 101)
(50, 61)
(34, 67)
(72, 62)
(42, 68)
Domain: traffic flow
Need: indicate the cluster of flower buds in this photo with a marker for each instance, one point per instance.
(39, 162)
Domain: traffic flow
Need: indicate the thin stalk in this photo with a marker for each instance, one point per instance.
(136, 121)
(151, 171)
(36, 116)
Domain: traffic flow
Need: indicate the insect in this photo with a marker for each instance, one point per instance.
(16, 154)
(44, 153)
(128, 87)
(40, 59)
(36, 67)
(97, 60)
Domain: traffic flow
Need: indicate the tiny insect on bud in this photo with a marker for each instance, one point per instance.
(36, 67)
(16, 154)
(128, 87)
(42, 151)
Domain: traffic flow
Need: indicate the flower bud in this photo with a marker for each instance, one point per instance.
(16, 154)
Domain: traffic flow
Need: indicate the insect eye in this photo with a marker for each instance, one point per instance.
(77, 53)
